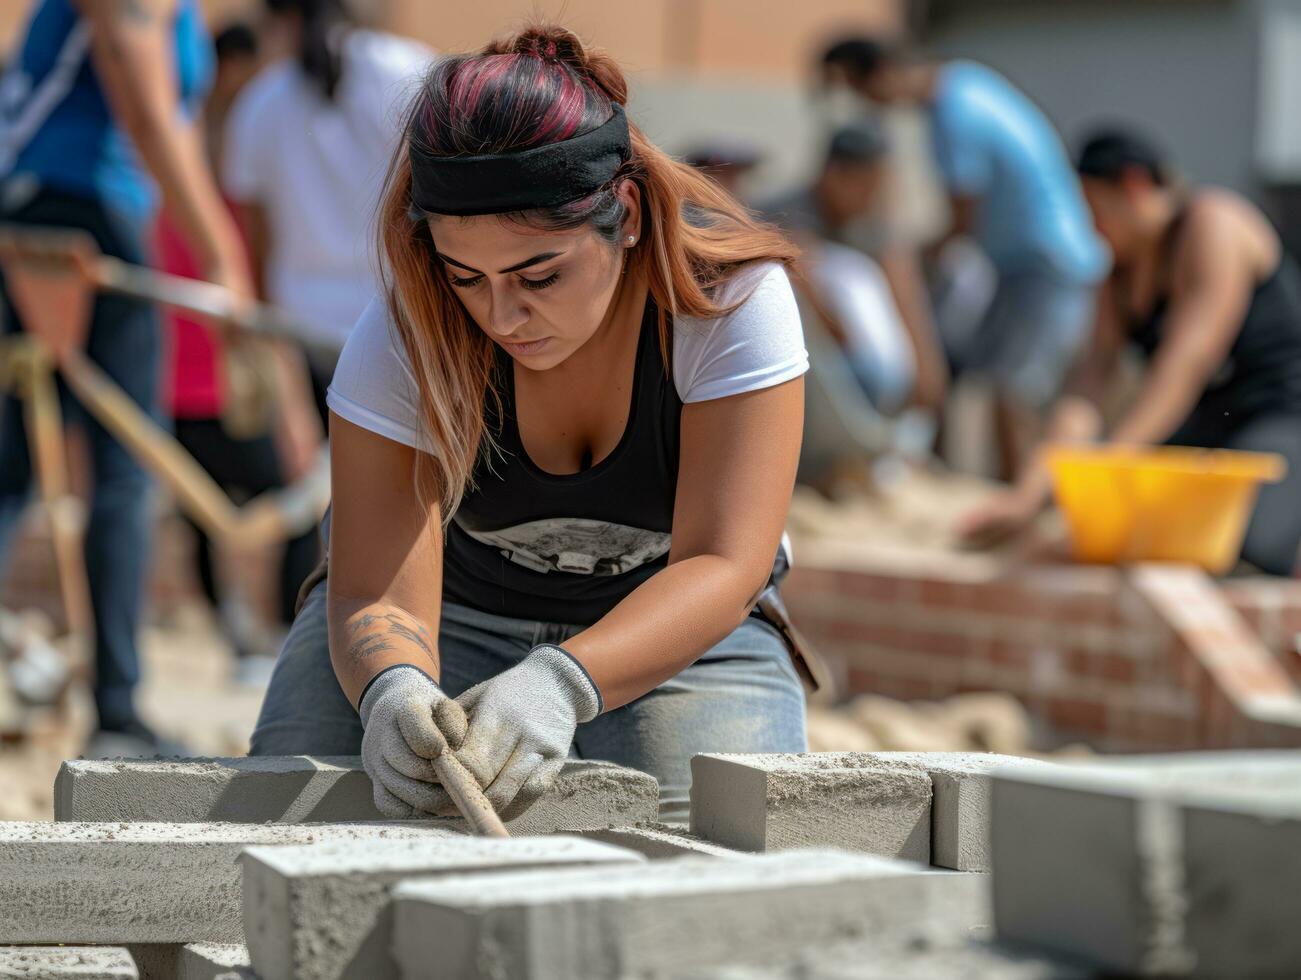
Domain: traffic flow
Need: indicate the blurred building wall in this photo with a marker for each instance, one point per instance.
(1183, 70)
(699, 69)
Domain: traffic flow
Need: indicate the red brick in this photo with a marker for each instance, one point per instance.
(907, 689)
(872, 586)
(1077, 714)
(860, 681)
(895, 638)
(1010, 653)
(1104, 666)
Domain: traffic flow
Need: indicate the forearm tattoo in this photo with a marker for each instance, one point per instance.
(385, 632)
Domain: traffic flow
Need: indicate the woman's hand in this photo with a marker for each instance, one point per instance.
(1003, 516)
(521, 725)
(408, 721)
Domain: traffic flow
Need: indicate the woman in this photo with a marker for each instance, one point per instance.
(96, 119)
(305, 150)
(1203, 287)
(586, 370)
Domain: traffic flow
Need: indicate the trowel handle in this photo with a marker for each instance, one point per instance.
(468, 797)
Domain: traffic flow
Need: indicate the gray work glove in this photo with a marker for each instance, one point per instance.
(408, 721)
(522, 724)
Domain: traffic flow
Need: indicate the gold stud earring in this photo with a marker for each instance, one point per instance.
(631, 240)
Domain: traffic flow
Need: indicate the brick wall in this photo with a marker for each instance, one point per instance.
(1154, 657)
(1148, 658)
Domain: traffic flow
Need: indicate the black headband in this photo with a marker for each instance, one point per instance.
(539, 177)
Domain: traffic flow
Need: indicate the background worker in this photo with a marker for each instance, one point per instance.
(305, 149)
(98, 120)
(1204, 289)
(880, 321)
(1011, 185)
(599, 402)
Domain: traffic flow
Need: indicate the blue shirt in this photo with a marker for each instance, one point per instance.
(55, 124)
(994, 144)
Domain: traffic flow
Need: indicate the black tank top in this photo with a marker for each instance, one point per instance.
(566, 549)
(1262, 372)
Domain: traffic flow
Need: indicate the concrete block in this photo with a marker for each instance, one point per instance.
(142, 882)
(659, 842)
(668, 915)
(1242, 879)
(323, 911)
(215, 961)
(775, 802)
(296, 789)
(960, 800)
(902, 957)
(1174, 864)
(155, 961)
(66, 963)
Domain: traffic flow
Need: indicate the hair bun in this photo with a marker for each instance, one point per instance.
(552, 43)
(561, 46)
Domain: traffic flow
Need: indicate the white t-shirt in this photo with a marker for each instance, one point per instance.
(759, 345)
(317, 166)
(858, 294)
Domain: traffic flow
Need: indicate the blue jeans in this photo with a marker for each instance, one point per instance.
(124, 341)
(1030, 336)
(742, 696)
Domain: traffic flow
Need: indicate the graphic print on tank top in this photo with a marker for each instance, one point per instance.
(577, 545)
(567, 548)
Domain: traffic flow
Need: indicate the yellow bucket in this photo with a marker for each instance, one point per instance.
(1130, 503)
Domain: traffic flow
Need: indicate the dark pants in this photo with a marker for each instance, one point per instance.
(124, 342)
(245, 468)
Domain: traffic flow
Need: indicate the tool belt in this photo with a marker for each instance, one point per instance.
(808, 664)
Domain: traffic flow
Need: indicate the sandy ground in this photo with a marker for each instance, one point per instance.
(187, 695)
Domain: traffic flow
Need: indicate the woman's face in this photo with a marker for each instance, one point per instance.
(1113, 214)
(540, 295)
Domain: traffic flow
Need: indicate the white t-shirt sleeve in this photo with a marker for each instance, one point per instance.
(373, 386)
(758, 345)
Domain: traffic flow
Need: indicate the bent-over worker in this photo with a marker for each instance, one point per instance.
(564, 443)
(1204, 289)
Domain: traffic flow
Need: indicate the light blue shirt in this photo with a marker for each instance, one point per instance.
(992, 143)
(55, 122)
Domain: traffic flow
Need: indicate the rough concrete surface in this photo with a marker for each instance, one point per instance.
(142, 882)
(960, 793)
(854, 800)
(1073, 870)
(66, 963)
(1177, 865)
(902, 957)
(323, 911)
(659, 841)
(668, 915)
(1242, 881)
(294, 789)
(214, 961)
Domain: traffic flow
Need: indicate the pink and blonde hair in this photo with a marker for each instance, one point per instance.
(540, 86)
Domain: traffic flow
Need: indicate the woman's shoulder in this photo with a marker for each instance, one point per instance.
(750, 285)
(1216, 217)
(756, 343)
(373, 385)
